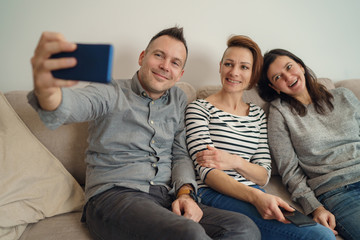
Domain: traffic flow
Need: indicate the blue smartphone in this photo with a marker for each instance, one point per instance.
(94, 63)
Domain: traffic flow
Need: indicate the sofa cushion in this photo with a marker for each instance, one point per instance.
(188, 89)
(68, 143)
(327, 82)
(34, 184)
(64, 227)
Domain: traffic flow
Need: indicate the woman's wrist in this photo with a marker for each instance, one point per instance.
(253, 195)
(238, 161)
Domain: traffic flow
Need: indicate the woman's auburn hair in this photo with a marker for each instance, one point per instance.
(243, 41)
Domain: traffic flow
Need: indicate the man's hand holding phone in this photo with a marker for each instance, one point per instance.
(46, 64)
(46, 87)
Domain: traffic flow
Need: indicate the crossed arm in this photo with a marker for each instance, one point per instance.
(205, 157)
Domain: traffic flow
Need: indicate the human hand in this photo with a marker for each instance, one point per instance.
(269, 206)
(46, 87)
(185, 206)
(325, 218)
(216, 158)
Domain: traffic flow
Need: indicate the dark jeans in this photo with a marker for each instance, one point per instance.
(344, 203)
(123, 213)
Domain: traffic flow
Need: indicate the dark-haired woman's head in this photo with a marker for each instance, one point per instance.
(286, 76)
(283, 73)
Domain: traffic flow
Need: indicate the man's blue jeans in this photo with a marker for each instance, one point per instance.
(124, 213)
(344, 203)
(270, 229)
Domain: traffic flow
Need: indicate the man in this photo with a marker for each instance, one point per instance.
(137, 159)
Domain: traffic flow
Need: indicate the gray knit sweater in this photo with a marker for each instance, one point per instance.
(316, 153)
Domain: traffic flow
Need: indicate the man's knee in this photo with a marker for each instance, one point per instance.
(239, 226)
(223, 224)
(188, 230)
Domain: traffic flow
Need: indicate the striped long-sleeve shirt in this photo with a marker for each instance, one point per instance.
(245, 136)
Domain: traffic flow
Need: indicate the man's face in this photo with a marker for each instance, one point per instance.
(161, 65)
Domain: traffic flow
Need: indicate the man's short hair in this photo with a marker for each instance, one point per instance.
(173, 32)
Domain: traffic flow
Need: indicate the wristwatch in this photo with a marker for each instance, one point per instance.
(189, 192)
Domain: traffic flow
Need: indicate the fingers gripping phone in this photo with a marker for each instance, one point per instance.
(298, 218)
(94, 63)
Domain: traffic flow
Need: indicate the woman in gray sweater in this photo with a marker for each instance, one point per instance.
(314, 137)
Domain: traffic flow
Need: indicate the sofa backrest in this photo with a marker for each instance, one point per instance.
(352, 84)
(69, 142)
(252, 94)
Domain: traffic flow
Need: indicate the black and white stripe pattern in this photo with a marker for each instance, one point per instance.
(245, 136)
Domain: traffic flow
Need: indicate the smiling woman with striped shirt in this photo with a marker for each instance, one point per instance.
(227, 140)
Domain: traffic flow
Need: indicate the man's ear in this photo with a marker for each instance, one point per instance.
(180, 75)
(275, 89)
(141, 57)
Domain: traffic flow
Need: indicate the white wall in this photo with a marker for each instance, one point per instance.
(324, 33)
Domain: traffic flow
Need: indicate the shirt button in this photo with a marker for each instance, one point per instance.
(152, 122)
(152, 102)
(152, 183)
(152, 141)
(154, 165)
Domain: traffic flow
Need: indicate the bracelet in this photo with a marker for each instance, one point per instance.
(189, 192)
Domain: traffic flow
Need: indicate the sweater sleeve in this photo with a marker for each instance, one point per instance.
(282, 150)
(197, 134)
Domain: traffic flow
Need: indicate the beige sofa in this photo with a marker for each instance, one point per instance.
(68, 144)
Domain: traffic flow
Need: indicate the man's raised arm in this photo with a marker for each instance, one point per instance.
(47, 88)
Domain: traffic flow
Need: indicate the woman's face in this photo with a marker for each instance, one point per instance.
(287, 76)
(236, 68)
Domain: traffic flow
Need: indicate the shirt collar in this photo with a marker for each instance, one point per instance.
(139, 90)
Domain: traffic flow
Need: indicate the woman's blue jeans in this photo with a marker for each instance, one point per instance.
(270, 229)
(344, 203)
